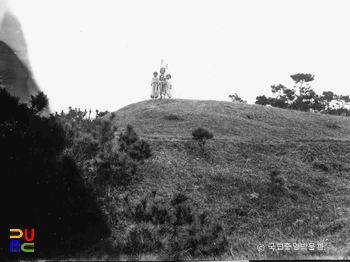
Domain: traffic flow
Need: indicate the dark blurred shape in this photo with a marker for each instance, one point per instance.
(15, 72)
(42, 189)
(39, 188)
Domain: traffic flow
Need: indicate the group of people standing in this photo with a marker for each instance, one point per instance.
(161, 87)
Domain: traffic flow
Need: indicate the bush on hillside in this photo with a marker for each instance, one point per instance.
(101, 114)
(321, 166)
(236, 98)
(176, 227)
(129, 142)
(332, 125)
(201, 135)
(173, 117)
(49, 194)
(106, 159)
(277, 184)
(39, 102)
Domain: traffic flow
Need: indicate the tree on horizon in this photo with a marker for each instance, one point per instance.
(302, 97)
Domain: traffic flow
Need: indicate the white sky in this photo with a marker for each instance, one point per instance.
(101, 54)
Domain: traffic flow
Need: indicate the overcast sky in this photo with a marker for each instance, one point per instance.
(101, 54)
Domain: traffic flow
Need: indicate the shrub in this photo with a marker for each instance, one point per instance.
(114, 169)
(129, 142)
(172, 117)
(277, 184)
(142, 238)
(321, 166)
(332, 125)
(112, 116)
(175, 226)
(39, 102)
(104, 160)
(201, 135)
(101, 114)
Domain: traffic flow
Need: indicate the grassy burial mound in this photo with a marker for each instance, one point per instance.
(229, 121)
(269, 175)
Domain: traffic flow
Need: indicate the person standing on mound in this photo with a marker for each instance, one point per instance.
(162, 83)
(168, 89)
(154, 84)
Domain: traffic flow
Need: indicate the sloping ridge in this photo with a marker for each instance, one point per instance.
(176, 118)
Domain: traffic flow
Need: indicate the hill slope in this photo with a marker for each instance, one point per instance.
(227, 120)
(306, 201)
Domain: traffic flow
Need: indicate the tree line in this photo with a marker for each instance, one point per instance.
(302, 97)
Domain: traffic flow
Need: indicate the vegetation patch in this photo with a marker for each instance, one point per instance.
(332, 125)
(337, 225)
(173, 117)
(321, 166)
(201, 135)
(255, 117)
(175, 227)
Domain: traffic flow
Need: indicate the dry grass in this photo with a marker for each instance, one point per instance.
(232, 121)
(230, 178)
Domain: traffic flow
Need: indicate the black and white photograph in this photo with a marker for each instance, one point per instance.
(174, 130)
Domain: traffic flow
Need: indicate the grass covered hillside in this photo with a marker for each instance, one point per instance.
(268, 176)
(174, 118)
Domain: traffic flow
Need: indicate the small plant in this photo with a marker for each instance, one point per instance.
(277, 184)
(321, 166)
(201, 135)
(172, 117)
(112, 116)
(332, 125)
(236, 98)
(101, 114)
(142, 238)
(254, 117)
